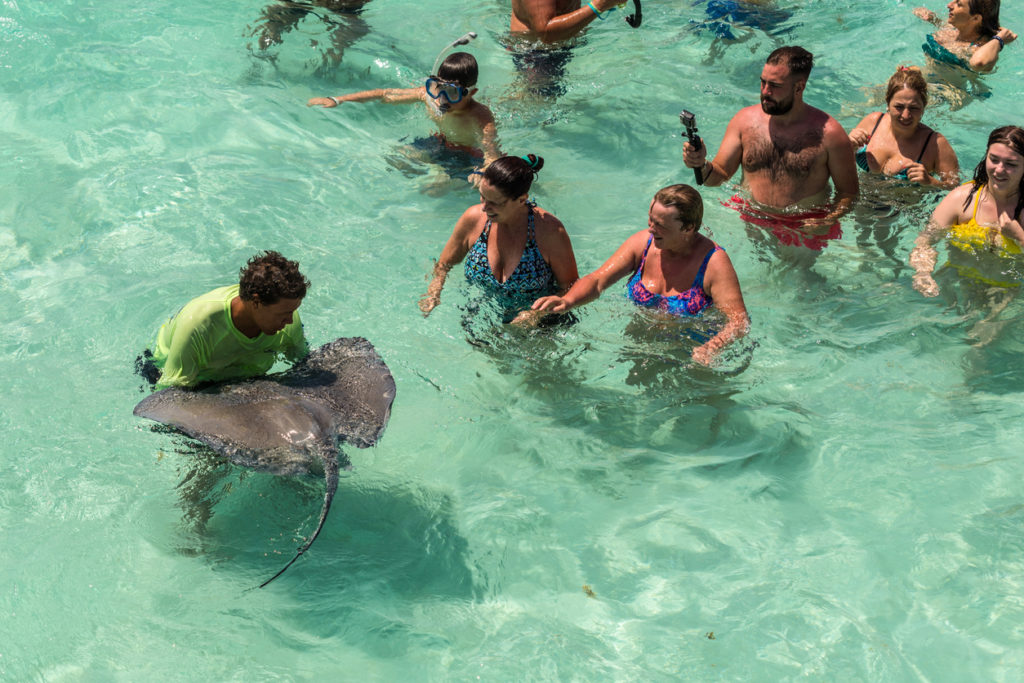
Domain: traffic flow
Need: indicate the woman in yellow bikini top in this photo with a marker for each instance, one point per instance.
(973, 237)
(997, 192)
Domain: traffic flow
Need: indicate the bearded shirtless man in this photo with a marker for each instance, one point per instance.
(789, 151)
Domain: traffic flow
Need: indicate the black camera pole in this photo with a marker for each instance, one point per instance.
(689, 122)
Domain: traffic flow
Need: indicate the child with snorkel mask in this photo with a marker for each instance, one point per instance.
(465, 126)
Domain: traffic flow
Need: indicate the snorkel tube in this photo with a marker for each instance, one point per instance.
(635, 18)
(463, 40)
(441, 108)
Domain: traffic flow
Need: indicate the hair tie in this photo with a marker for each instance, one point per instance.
(531, 162)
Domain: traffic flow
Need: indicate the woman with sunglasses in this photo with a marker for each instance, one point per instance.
(464, 125)
(514, 250)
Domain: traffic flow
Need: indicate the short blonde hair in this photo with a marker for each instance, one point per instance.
(686, 201)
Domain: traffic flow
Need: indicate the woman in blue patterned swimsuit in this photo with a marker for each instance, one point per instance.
(675, 269)
(514, 250)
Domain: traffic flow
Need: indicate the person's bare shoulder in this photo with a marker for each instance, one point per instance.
(834, 131)
(546, 221)
(746, 119)
(482, 113)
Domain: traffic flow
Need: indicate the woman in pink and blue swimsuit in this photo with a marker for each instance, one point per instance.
(675, 269)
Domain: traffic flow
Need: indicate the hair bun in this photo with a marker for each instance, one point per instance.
(533, 161)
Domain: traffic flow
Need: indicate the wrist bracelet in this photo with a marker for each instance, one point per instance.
(1001, 43)
(594, 9)
(334, 99)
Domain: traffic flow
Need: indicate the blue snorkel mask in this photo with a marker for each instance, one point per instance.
(443, 94)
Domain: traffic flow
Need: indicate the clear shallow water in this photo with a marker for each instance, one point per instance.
(848, 507)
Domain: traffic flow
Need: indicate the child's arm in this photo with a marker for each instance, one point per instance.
(488, 135)
(390, 95)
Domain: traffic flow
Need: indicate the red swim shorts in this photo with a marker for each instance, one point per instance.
(788, 228)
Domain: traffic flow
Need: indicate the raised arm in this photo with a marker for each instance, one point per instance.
(454, 251)
(730, 154)
(985, 56)
(540, 18)
(724, 287)
(389, 95)
(860, 135)
(624, 261)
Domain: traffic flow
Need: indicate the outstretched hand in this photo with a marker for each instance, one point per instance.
(553, 304)
(428, 302)
(325, 102)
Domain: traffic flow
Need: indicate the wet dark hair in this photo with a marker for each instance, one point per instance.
(461, 68)
(1012, 137)
(907, 77)
(512, 176)
(989, 11)
(799, 60)
(686, 201)
(270, 277)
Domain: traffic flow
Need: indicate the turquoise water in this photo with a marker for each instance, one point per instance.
(848, 507)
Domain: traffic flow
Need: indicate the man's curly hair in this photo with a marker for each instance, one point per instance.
(270, 277)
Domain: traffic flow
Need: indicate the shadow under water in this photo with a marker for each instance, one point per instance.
(379, 532)
(340, 18)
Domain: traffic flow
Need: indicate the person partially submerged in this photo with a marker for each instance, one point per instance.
(235, 331)
(676, 271)
(789, 152)
(464, 125)
(971, 37)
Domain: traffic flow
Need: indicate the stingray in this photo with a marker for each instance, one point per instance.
(289, 423)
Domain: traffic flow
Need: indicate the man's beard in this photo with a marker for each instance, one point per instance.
(773, 108)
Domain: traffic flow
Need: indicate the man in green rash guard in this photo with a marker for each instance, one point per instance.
(235, 331)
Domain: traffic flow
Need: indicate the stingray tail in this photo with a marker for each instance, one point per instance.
(330, 460)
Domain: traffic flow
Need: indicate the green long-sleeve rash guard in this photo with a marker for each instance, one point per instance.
(201, 344)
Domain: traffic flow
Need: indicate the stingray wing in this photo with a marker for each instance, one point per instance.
(256, 424)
